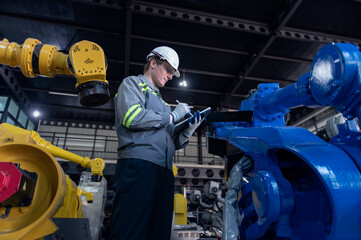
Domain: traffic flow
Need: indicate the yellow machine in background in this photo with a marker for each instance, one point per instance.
(180, 209)
(180, 205)
(33, 186)
(86, 61)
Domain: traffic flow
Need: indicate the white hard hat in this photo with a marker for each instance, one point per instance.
(166, 53)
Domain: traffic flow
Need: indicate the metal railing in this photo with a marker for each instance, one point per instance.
(94, 142)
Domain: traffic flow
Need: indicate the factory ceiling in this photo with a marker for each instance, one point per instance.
(226, 48)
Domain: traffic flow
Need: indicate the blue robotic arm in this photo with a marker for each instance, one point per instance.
(301, 187)
(334, 80)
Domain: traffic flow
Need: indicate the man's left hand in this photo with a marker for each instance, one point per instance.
(194, 122)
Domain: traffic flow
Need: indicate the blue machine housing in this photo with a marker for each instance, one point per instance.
(301, 187)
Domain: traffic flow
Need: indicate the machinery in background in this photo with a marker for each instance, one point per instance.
(86, 61)
(199, 214)
(34, 188)
(299, 186)
(93, 210)
(208, 204)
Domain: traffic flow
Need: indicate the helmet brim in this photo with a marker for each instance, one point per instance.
(176, 73)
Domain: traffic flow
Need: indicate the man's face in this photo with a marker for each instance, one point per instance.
(162, 73)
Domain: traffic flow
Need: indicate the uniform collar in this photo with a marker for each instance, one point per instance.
(148, 82)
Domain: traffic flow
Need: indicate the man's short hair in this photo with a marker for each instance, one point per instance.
(147, 64)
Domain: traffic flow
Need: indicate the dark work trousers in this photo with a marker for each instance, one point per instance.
(143, 203)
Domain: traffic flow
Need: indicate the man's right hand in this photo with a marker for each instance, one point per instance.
(182, 110)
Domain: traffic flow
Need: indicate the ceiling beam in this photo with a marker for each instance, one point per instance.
(238, 24)
(78, 108)
(200, 91)
(279, 21)
(205, 18)
(224, 50)
(287, 59)
(190, 45)
(312, 36)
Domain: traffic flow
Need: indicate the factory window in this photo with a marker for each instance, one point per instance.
(11, 113)
(3, 101)
(10, 121)
(22, 119)
(31, 125)
(13, 109)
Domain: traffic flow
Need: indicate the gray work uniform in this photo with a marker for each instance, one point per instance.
(142, 122)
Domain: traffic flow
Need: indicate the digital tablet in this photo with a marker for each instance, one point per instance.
(184, 124)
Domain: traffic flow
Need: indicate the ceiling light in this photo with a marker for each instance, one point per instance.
(36, 113)
(183, 83)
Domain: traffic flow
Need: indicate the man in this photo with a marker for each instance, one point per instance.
(144, 181)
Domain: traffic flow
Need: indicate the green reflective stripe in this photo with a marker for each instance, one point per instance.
(146, 88)
(132, 117)
(129, 112)
(164, 102)
(116, 95)
(151, 90)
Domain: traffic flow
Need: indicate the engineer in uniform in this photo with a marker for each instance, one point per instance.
(144, 181)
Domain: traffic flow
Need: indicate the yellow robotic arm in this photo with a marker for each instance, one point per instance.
(86, 61)
(96, 165)
(34, 189)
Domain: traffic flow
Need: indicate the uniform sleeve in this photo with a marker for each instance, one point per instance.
(130, 104)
